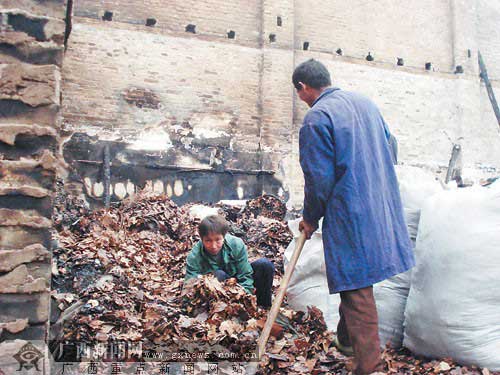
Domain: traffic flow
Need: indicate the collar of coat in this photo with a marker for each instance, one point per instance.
(325, 92)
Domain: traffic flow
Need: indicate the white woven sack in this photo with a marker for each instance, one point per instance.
(453, 308)
(308, 285)
(416, 187)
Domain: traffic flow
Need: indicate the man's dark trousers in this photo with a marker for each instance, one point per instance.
(358, 327)
(263, 274)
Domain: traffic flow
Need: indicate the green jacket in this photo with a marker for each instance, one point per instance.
(234, 256)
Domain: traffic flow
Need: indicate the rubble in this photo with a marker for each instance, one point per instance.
(262, 227)
(120, 273)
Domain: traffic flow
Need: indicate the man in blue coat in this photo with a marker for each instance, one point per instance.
(351, 183)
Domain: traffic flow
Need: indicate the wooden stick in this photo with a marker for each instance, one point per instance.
(273, 313)
(454, 167)
(107, 176)
(489, 89)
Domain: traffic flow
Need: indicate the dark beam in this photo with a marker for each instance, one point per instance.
(491, 94)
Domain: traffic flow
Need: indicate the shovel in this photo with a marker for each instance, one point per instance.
(275, 308)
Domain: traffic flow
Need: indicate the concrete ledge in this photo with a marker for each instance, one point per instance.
(38, 27)
(15, 326)
(30, 191)
(46, 161)
(52, 8)
(31, 332)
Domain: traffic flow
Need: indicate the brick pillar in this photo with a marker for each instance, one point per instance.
(276, 130)
(31, 53)
(465, 47)
(464, 34)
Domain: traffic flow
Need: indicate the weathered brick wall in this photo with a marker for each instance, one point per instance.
(488, 32)
(464, 40)
(278, 20)
(417, 31)
(189, 110)
(31, 51)
(116, 86)
(169, 98)
(212, 18)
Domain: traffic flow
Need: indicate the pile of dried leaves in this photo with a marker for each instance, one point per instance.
(260, 224)
(402, 362)
(125, 266)
(121, 272)
(268, 206)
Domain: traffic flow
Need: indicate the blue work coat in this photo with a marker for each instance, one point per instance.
(350, 181)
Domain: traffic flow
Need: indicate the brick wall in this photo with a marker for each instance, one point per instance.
(488, 32)
(205, 101)
(417, 31)
(413, 105)
(212, 18)
(31, 54)
(109, 76)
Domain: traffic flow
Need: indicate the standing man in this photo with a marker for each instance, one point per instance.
(350, 181)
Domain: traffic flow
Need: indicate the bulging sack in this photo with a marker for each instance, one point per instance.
(308, 285)
(416, 187)
(390, 298)
(453, 307)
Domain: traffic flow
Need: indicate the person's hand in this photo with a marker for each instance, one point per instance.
(307, 228)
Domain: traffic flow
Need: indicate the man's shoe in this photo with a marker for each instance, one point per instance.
(346, 350)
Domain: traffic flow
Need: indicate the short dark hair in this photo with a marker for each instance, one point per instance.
(312, 73)
(213, 224)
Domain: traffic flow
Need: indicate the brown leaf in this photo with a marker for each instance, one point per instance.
(230, 327)
(107, 328)
(95, 324)
(219, 306)
(142, 243)
(310, 363)
(301, 344)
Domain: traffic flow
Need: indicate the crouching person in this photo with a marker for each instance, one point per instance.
(226, 257)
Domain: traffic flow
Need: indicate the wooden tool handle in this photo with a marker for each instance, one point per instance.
(273, 313)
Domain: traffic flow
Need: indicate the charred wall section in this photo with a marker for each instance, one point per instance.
(31, 54)
(203, 88)
(175, 106)
(163, 172)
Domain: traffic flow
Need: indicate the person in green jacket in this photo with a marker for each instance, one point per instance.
(226, 257)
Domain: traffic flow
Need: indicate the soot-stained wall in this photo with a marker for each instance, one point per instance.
(194, 91)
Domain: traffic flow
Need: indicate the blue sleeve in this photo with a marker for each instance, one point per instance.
(317, 159)
(393, 142)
